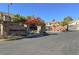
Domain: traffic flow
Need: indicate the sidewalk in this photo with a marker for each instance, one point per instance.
(31, 35)
(9, 38)
(53, 32)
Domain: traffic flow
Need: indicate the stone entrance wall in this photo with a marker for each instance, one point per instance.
(12, 28)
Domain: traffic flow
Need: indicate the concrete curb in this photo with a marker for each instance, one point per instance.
(3, 40)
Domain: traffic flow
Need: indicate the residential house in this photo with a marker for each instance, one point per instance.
(55, 27)
(74, 25)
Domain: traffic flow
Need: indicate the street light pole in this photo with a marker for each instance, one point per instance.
(9, 8)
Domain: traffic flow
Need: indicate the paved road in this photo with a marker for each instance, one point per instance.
(57, 44)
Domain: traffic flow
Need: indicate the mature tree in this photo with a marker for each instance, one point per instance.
(18, 18)
(29, 17)
(67, 20)
(37, 21)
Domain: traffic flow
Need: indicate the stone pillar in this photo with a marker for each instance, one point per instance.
(38, 29)
(2, 30)
(3, 18)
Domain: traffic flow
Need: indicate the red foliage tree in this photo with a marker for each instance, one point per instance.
(36, 21)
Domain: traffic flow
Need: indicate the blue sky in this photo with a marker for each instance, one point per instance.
(47, 11)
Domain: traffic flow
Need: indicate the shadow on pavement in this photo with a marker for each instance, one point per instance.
(31, 36)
